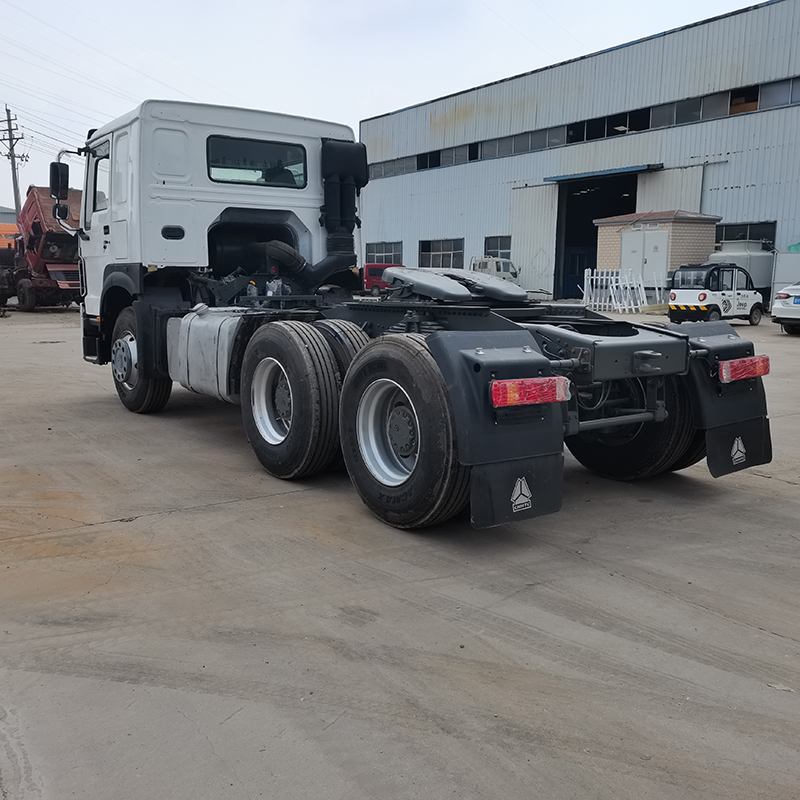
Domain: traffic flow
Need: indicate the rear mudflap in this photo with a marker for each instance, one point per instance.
(511, 491)
(738, 446)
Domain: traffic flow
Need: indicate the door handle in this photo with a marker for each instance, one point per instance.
(106, 230)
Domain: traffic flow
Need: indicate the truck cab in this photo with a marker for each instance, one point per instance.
(497, 267)
(713, 291)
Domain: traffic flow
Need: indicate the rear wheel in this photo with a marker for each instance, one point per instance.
(137, 393)
(344, 338)
(696, 451)
(755, 315)
(290, 399)
(398, 434)
(26, 295)
(634, 452)
(375, 291)
(714, 315)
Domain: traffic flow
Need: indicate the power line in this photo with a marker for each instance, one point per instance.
(507, 23)
(96, 49)
(560, 25)
(42, 94)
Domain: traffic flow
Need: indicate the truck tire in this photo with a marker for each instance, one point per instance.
(26, 295)
(696, 451)
(755, 315)
(138, 394)
(344, 338)
(399, 436)
(640, 451)
(290, 399)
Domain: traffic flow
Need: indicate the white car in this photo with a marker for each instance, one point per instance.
(786, 308)
(496, 267)
(713, 291)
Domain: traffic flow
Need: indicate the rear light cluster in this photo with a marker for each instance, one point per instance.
(529, 391)
(782, 296)
(743, 368)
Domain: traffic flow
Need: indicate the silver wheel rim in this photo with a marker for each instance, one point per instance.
(271, 400)
(125, 361)
(388, 432)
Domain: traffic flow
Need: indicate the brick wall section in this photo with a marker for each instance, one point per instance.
(609, 246)
(690, 243)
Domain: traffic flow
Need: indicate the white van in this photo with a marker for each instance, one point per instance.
(498, 267)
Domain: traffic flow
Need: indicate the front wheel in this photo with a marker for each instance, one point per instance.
(137, 393)
(714, 315)
(398, 434)
(755, 315)
(26, 295)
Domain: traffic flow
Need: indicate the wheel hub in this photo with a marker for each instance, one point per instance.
(124, 360)
(402, 431)
(283, 399)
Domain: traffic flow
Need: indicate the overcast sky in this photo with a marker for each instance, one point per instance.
(68, 66)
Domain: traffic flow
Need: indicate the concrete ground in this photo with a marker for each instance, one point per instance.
(175, 623)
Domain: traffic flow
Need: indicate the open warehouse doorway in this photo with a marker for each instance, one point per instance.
(580, 202)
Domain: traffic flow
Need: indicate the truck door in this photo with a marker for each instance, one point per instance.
(745, 294)
(96, 250)
(726, 291)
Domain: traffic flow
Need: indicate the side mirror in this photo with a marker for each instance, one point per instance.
(59, 181)
(60, 211)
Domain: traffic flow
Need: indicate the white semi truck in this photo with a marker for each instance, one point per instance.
(216, 251)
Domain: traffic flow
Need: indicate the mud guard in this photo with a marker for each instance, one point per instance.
(734, 415)
(516, 454)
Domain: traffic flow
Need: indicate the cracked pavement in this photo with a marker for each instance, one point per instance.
(176, 623)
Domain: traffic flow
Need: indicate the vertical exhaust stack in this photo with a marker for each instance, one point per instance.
(344, 174)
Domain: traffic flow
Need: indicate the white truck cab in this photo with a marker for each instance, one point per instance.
(712, 291)
(497, 267)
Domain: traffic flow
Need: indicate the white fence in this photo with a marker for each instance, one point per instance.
(616, 290)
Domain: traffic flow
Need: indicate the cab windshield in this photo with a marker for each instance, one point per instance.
(59, 247)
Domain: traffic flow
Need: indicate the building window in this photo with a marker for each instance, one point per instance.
(595, 129)
(639, 120)
(384, 253)
(687, 110)
(715, 105)
(442, 253)
(796, 90)
(489, 149)
(538, 140)
(662, 116)
(576, 132)
(744, 100)
(748, 231)
(774, 95)
(557, 136)
(522, 143)
(497, 246)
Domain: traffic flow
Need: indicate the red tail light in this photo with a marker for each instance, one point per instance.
(743, 368)
(529, 391)
(672, 295)
(782, 296)
(702, 296)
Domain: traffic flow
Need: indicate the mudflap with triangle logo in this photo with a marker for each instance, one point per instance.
(511, 491)
(738, 446)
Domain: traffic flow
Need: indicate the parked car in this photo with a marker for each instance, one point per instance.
(786, 309)
(373, 277)
(713, 291)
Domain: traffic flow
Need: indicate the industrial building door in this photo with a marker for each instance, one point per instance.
(644, 255)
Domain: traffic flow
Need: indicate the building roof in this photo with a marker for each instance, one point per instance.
(579, 58)
(658, 216)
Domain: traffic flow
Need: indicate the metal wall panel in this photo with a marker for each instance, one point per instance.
(534, 211)
(670, 190)
(756, 46)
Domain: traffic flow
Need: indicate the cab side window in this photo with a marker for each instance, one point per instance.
(99, 181)
(743, 281)
(726, 280)
(713, 281)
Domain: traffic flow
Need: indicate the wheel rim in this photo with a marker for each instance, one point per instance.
(756, 316)
(388, 432)
(125, 361)
(271, 399)
(633, 391)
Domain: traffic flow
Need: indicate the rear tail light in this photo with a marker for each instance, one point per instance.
(782, 296)
(743, 368)
(529, 391)
(672, 295)
(702, 296)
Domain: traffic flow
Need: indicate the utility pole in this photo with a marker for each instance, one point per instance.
(9, 140)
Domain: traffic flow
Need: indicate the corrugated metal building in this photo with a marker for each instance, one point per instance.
(703, 118)
(8, 215)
